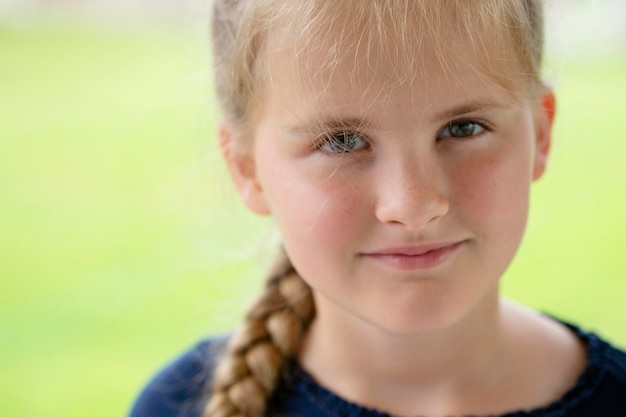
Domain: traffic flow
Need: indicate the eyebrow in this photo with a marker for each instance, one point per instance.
(322, 124)
(469, 107)
(330, 123)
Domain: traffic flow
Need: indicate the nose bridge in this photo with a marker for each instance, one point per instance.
(412, 191)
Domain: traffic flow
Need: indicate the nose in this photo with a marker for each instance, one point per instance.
(411, 194)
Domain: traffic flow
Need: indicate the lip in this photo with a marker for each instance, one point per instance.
(415, 257)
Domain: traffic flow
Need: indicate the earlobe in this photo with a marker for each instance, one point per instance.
(544, 119)
(240, 163)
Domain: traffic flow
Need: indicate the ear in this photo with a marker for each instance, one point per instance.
(240, 163)
(544, 118)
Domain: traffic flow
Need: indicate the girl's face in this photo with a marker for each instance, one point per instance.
(400, 203)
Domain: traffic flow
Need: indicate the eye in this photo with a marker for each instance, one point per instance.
(342, 142)
(461, 129)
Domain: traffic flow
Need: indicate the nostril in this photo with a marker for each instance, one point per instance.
(415, 206)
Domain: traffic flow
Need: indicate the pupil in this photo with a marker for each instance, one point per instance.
(343, 142)
(462, 129)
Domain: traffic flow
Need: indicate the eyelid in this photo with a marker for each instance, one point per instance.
(487, 127)
(325, 138)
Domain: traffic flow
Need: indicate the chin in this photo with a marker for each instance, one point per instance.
(420, 322)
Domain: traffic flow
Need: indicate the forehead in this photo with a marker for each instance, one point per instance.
(338, 67)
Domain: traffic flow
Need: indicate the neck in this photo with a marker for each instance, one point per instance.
(373, 367)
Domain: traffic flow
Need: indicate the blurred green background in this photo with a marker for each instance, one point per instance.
(121, 243)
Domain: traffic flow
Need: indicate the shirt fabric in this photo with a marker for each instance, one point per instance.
(179, 389)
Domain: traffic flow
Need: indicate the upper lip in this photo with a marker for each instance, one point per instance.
(413, 250)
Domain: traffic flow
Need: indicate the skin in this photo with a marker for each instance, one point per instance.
(419, 339)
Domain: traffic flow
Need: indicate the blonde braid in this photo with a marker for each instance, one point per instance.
(250, 369)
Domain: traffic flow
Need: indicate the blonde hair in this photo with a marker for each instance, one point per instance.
(501, 31)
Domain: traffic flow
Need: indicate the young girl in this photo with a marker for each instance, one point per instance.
(394, 142)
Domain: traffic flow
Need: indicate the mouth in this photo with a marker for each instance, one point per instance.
(415, 257)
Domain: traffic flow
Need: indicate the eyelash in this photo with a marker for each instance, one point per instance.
(337, 147)
(331, 144)
(456, 123)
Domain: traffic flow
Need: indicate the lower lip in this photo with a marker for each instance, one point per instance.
(426, 260)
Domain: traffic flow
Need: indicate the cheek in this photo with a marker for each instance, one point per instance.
(493, 193)
(320, 221)
(311, 206)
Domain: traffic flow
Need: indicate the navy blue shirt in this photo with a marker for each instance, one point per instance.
(179, 389)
